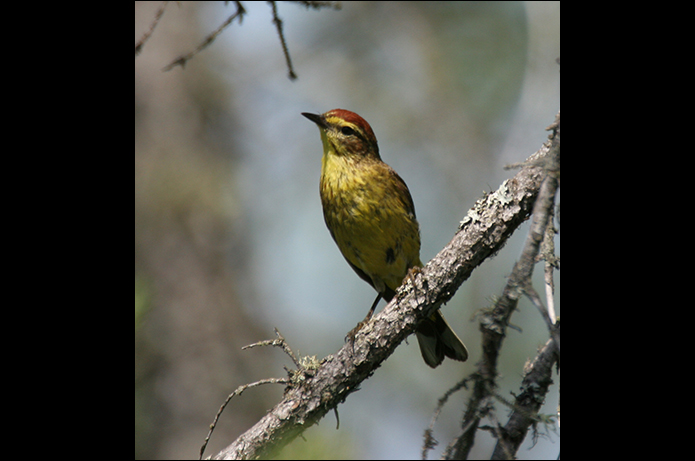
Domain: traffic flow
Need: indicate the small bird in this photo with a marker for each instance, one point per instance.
(371, 217)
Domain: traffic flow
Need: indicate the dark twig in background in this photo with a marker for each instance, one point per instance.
(534, 387)
(240, 12)
(181, 61)
(278, 25)
(158, 15)
(430, 442)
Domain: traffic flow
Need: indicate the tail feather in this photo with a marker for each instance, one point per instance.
(437, 340)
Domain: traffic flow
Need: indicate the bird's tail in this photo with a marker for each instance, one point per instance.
(437, 340)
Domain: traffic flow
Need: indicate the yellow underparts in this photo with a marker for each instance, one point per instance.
(370, 217)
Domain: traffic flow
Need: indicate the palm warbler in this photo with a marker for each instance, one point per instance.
(370, 214)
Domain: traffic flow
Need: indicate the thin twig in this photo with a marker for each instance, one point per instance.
(533, 296)
(141, 43)
(181, 61)
(278, 25)
(238, 391)
(319, 5)
(552, 262)
(497, 432)
(430, 442)
(550, 291)
(278, 342)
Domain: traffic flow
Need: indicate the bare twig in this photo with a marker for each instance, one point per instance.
(238, 391)
(319, 5)
(278, 342)
(551, 263)
(181, 61)
(141, 43)
(278, 25)
(532, 295)
(430, 442)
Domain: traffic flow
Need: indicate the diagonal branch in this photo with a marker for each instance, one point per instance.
(483, 232)
(158, 15)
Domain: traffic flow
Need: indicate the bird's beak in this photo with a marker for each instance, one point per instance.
(317, 119)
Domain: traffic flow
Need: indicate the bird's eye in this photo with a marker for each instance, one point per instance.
(347, 131)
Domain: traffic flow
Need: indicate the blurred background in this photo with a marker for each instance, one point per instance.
(229, 234)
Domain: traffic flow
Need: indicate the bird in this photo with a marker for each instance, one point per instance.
(370, 214)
